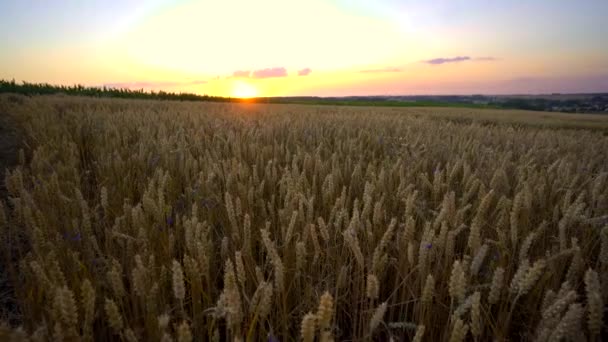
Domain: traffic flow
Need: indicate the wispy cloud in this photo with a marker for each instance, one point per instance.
(381, 70)
(152, 84)
(441, 60)
(445, 60)
(487, 59)
(241, 74)
(261, 73)
(269, 73)
(304, 72)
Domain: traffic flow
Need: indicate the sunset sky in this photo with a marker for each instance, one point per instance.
(313, 47)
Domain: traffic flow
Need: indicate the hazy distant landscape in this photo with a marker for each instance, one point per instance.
(596, 103)
(566, 103)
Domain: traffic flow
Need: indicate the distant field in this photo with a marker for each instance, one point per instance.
(516, 118)
(372, 103)
(145, 220)
(483, 115)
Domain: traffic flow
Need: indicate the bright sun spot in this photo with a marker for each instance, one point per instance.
(243, 90)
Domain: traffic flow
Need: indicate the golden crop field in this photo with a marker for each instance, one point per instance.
(176, 221)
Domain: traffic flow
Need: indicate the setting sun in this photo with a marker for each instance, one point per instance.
(243, 90)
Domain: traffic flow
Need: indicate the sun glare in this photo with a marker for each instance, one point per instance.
(244, 90)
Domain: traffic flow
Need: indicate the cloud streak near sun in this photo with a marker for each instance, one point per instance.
(261, 73)
(304, 72)
(241, 74)
(268, 73)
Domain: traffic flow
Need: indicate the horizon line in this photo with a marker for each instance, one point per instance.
(106, 85)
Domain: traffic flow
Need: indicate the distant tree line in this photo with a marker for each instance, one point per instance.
(27, 88)
(593, 103)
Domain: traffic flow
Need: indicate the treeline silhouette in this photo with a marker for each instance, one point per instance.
(592, 103)
(27, 88)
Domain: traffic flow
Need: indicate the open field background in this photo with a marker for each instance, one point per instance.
(568, 103)
(149, 221)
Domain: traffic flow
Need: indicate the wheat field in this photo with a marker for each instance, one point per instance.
(174, 221)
